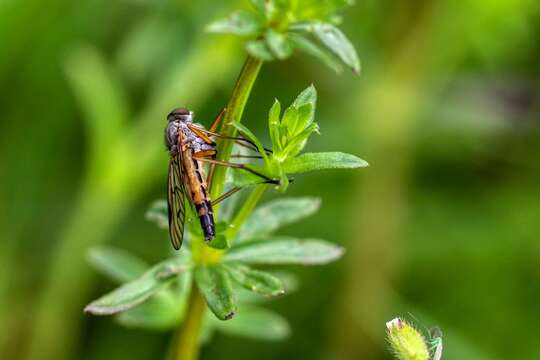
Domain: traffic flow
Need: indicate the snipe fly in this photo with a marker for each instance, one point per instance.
(190, 145)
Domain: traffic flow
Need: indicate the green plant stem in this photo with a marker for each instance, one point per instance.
(235, 109)
(188, 340)
(246, 209)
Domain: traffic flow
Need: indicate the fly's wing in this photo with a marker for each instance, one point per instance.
(176, 199)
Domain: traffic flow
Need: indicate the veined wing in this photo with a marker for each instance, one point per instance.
(176, 199)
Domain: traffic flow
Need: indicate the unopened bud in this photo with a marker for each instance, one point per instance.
(406, 342)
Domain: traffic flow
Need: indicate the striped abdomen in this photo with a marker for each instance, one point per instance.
(199, 194)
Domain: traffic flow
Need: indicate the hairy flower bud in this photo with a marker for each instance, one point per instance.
(406, 342)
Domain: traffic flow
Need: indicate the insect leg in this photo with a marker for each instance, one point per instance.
(267, 179)
(200, 133)
(246, 156)
(242, 141)
(233, 191)
(213, 127)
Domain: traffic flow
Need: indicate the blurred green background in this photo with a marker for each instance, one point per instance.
(445, 224)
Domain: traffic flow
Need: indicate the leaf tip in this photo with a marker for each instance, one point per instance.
(229, 316)
(93, 309)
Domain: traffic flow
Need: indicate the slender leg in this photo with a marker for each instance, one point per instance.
(246, 156)
(233, 191)
(213, 127)
(267, 179)
(239, 140)
(200, 133)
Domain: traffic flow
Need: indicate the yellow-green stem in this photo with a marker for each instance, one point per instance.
(235, 109)
(188, 341)
(246, 209)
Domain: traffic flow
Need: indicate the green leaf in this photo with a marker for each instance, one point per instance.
(290, 284)
(273, 125)
(285, 250)
(275, 214)
(135, 292)
(219, 242)
(158, 213)
(334, 40)
(254, 280)
(288, 124)
(250, 136)
(239, 23)
(215, 285)
(259, 49)
(297, 143)
(321, 161)
(278, 44)
(116, 263)
(256, 323)
(161, 312)
(317, 51)
(338, 43)
(306, 104)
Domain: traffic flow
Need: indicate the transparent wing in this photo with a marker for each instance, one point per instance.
(176, 199)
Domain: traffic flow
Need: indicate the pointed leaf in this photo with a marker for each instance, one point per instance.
(285, 250)
(334, 40)
(275, 214)
(306, 104)
(339, 44)
(116, 263)
(318, 51)
(238, 23)
(256, 323)
(321, 161)
(215, 285)
(135, 292)
(257, 281)
(290, 284)
(273, 125)
(288, 124)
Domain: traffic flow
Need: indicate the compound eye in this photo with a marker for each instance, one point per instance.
(180, 112)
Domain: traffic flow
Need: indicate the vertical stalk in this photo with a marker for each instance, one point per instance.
(246, 209)
(189, 340)
(235, 109)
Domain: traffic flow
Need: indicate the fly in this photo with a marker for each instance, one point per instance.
(190, 145)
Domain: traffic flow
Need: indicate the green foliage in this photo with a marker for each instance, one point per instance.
(284, 250)
(271, 216)
(221, 271)
(289, 134)
(257, 281)
(252, 243)
(134, 292)
(216, 286)
(117, 264)
(276, 27)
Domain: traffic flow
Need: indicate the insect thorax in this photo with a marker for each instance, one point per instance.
(189, 137)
